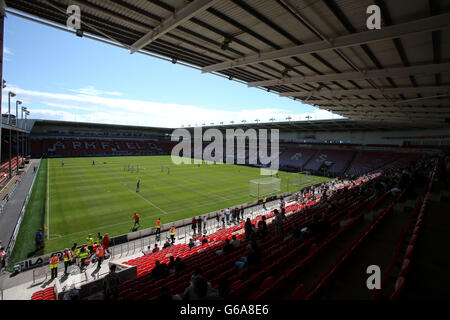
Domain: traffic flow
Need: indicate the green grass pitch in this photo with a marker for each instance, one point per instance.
(83, 198)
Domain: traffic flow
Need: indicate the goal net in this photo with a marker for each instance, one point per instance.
(264, 186)
(301, 178)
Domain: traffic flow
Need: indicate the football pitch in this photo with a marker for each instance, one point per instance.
(83, 198)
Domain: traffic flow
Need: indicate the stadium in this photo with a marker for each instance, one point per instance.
(352, 207)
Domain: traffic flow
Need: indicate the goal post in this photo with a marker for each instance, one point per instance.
(264, 186)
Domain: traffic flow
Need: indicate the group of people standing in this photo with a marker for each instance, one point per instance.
(82, 255)
(199, 225)
(227, 216)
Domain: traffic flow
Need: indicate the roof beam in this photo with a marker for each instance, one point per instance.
(335, 93)
(176, 19)
(429, 24)
(380, 102)
(371, 74)
(363, 109)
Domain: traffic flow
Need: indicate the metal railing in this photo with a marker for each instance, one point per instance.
(185, 232)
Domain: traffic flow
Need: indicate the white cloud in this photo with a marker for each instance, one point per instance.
(92, 91)
(94, 108)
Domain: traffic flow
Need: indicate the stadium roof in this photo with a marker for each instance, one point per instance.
(317, 52)
(322, 125)
(306, 126)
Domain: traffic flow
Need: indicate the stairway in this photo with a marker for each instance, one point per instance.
(350, 164)
(311, 158)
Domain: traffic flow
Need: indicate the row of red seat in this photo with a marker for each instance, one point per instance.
(92, 147)
(405, 266)
(322, 281)
(369, 161)
(337, 160)
(4, 168)
(45, 294)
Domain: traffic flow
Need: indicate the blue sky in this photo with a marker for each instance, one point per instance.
(63, 77)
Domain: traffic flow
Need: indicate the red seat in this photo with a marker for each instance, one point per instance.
(405, 268)
(299, 293)
(260, 295)
(409, 251)
(257, 278)
(268, 282)
(398, 288)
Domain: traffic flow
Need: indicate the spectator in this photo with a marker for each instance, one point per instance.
(38, 239)
(228, 247)
(205, 239)
(159, 269)
(171, 265)
(105, 242)
(191, 243)
(204, 219)
(179, 265)
(235, 242)
(197, 273)
(278, 221)
(200, 289)
(218, 218)
(227, 215)
(111, 283)
(148, 251)
(283, 213)
(222, 218)
(241, 264)
(197, 243)
(165, 295)
(234, 215)
(99, 237)
(262, 227)
(199, 225)
(248, 228)
(194, 225)
(155, 249)
(166, 244)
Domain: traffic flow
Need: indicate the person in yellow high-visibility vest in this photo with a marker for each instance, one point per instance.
(54, 265)
(68, 254)
(84, 254)
(90, 242)
(76, 256)
(172, 233)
